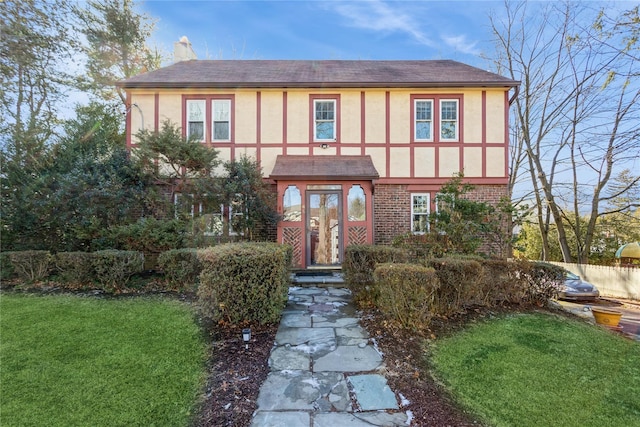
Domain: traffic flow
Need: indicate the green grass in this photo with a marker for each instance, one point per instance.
(73, 361)
(542, 370)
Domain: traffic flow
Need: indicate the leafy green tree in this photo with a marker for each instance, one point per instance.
(177, 165)
(116, 45)
(244, 189)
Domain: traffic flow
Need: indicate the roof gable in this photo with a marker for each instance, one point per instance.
(332, 73)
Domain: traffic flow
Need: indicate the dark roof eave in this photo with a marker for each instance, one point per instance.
(324, 177)
(252, 85)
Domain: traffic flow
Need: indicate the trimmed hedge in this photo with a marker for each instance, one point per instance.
(460, 283)
(501, 283)
(406, 293)
(541, 281)
(30, 266)
(244, 282)
(181, 267)
(360, 262)
(74, 267)
(114, 268)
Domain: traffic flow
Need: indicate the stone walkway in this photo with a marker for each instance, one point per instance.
(325, 371)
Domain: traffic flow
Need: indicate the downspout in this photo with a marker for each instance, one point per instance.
(515, 95)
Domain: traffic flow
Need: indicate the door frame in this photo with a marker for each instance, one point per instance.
(308, 243)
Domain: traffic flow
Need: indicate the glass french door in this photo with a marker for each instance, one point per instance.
(324, 228)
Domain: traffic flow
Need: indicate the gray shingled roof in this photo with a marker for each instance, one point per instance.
(296, 73)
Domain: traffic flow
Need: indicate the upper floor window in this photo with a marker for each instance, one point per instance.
(196, 119)
(214, 110)
(324, 113)
(449, 120)
(423, 119)
(221, 119)
(435, 118)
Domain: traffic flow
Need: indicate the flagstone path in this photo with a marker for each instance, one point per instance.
(325, 371)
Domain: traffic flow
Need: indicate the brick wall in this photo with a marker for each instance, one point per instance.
(391, 212)
(392, 208)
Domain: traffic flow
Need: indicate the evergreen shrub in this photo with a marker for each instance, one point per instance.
(114, 268)
(243, 283)
(406, 293)
(359, 264)
(6, 269)
(181, 267)
(74, 267)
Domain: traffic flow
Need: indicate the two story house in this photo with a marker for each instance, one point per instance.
(356, 150)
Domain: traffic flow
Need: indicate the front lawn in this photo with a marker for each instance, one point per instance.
(542, 370)
(77, 361)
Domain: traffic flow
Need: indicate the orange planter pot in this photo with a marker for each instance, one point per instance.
(606, 317)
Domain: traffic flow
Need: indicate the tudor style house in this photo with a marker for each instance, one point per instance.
(357, 150)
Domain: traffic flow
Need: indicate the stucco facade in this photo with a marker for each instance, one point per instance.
(416, 135)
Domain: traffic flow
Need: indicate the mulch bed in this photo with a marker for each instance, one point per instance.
(235, 375)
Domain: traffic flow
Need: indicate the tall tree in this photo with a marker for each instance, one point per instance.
(178, 165)
(576, 113)
(244, 190)
(117, 47)
(36, 53)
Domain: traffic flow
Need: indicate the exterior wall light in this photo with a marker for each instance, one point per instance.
(246, 337)
(324, 146)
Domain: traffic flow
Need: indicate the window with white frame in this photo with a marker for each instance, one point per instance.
(419, 213)
(183, 205)
(213, 220)
(236, 215)
(221, 127)
(196, 119)
(324, 113)
(449, 120)
(423, 119)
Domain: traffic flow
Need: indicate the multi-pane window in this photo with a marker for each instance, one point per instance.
(213, 220)
(236, 215)
(221, 119)
(209, 118)
(449, 120)
(419, 213)
(423, 120)
(196, 119)
(435, 118)
(324, 113)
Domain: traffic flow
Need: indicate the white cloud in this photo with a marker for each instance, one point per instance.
(376, 15)
(461, 44)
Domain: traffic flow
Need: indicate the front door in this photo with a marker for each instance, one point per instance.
(324, 228)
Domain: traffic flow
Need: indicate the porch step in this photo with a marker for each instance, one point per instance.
(317, 278)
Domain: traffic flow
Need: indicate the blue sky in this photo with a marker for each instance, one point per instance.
(330, 29)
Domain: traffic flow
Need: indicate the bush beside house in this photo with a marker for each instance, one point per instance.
(244, 282)
(413, 293)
